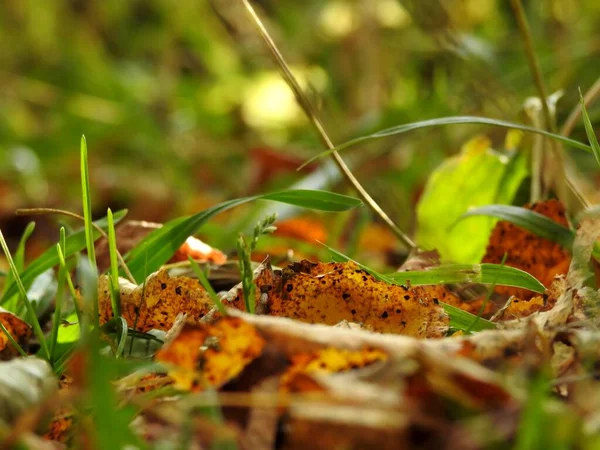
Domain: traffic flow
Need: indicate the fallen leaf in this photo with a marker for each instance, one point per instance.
(155, 303)
(329, 360)
(211, 354)
(538, 256)
(18, 329)
(329, 293)
(199, 251)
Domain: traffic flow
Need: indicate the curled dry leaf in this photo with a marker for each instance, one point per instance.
(524, 250)
(18, 329)
(332, 292)
(210, 355)
(156, 303)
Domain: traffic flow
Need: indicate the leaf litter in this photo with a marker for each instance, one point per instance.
(335, 357)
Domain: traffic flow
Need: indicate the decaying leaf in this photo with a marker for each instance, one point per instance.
(18, 329)
(329, 360)
(210, 355)
(332, 292)
(60, 427)
(156, 303)
(538, 256)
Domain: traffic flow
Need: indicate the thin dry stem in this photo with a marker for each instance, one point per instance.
(44, 211)
(318, 126)
(534, 65)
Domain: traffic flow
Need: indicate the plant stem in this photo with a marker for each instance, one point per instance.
(534, 65)
(316, 123)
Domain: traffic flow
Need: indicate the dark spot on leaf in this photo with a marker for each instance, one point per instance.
(178, 290)
(163, 285)
(345, 296)
(384, 315)
(289, 288)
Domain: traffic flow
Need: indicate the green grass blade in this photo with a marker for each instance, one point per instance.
(454, 120)
(469, 273)
(313, 199)
(463, 320)
(122, 336)
(30, 309)
(161, 244)
(589, 130)
(58, 301)
(63, 266)
(20, 255)
(12, 340)
(206, 284)
(87, 203)
(115, 291)
(532, 221)
(74, 243)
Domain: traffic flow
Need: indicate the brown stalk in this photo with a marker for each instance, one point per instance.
(316, 123)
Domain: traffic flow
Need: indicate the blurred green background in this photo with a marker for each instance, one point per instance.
(182, 106)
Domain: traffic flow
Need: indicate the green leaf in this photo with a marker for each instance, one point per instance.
(469, 273)
(532, 221)
(454, 120)
(589, 130)
(74, 243)
(477, 176)
(161, 244)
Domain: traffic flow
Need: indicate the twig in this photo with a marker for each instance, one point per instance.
(310, 112)
(44, 211)
(590, 96)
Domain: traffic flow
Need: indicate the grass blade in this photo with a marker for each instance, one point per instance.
(453, 120)
(161, 244)
(87, 203)
(58, 301)
(30, 309)
(115, 291)
(463, 320)
(532, 221)
(74, 243)
(63, 266)
(589, 130)
(469, 273)
(20, 255)
(206, 284)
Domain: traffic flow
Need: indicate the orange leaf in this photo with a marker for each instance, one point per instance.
(156, 303)
(18, 329)
(329, 293)
(538, 256)
(328, 360)
(212, 355)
